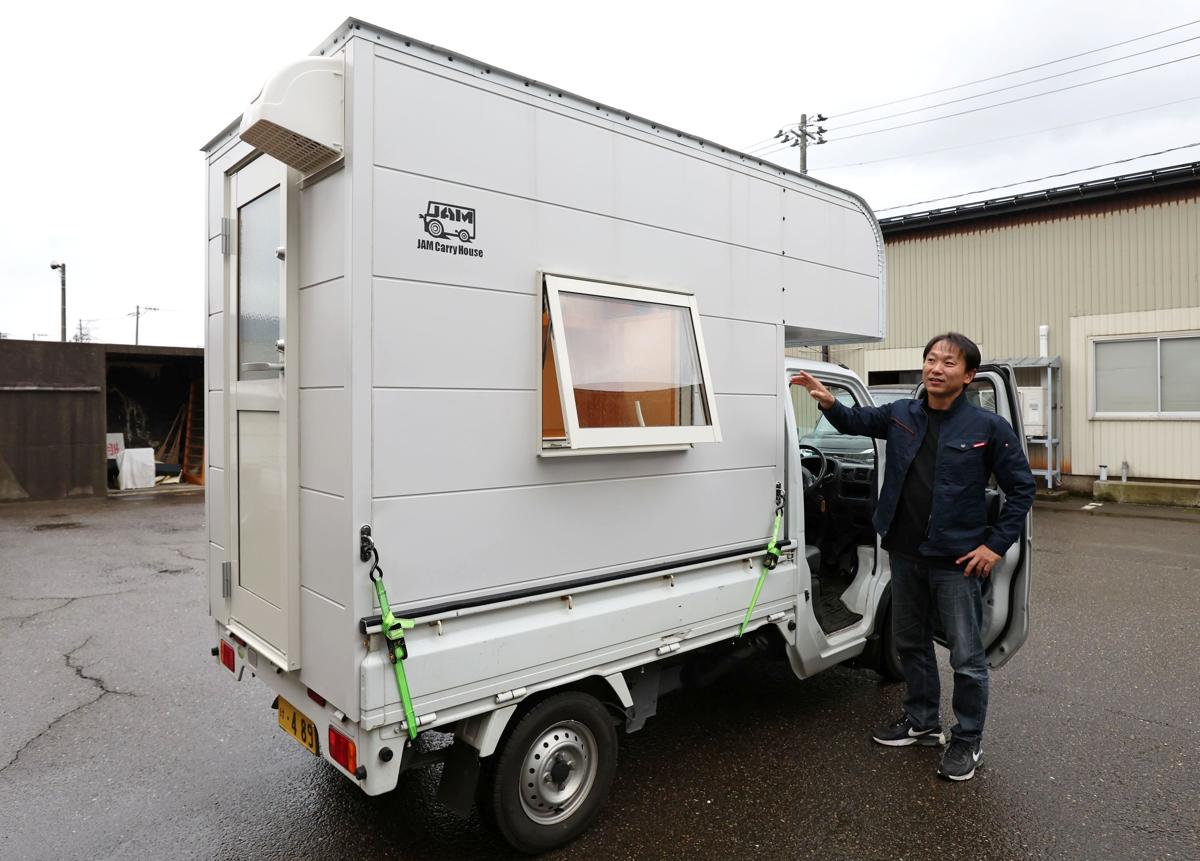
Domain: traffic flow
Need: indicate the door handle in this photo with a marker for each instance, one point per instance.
(262, 366)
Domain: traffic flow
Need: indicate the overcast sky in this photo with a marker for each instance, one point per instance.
(105, 108)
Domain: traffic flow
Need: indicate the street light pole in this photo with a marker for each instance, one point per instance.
(62, 271)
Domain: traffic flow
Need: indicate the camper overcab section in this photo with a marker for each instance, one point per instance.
(536, 384)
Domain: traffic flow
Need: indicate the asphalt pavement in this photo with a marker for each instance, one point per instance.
(120, 737)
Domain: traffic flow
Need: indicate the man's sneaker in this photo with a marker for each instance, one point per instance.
(961, 759)
(903, 733)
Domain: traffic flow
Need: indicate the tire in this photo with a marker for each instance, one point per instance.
(889, 658)
(434, 227)
(552, 773)
(464, 236)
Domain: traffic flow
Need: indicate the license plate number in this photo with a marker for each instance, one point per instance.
(297, 725)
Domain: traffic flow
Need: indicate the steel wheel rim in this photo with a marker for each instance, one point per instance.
(557, 772)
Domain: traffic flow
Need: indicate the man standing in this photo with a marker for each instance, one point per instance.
(932, 514)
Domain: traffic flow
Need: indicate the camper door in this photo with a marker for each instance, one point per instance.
(261, 410)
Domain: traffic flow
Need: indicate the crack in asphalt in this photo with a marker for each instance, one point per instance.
(1132, 716)
(65, 602)
(97, 682)
(1135, 552)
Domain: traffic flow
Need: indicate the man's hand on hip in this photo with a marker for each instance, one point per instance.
(819, 393)
(980, 561)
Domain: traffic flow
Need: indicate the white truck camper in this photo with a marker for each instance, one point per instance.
(519, 356)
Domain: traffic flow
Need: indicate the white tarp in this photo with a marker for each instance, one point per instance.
(135, 468)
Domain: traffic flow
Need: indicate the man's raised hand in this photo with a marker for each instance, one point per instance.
(819, 393)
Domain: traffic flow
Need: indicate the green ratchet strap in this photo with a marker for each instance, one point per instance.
(769, 563)
(393, 629)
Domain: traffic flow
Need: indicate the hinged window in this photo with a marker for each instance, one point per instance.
(623, 368)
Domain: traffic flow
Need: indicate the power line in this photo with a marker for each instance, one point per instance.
(767, 143)
(1008, 137)
(1039, 178)
(1014, 101)
(1015, 86)
(1014, 71)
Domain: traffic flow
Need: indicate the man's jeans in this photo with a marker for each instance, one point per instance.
(919, 591)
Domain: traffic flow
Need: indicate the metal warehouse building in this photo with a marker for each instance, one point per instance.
(1111, 266)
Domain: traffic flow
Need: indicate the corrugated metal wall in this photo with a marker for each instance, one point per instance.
(997, 279)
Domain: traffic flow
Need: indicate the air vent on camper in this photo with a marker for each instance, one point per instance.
(299, 117)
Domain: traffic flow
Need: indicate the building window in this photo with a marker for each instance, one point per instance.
(622, 368)
(1156, 376)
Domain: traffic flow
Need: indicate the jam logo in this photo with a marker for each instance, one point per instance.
(449, 220)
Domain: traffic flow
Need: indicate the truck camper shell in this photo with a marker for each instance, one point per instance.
(561, 413)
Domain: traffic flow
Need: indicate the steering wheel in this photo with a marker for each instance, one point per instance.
(813, 452)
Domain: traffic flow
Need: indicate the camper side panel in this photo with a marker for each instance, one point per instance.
(456, 346)
(326, 537)
(217, 298)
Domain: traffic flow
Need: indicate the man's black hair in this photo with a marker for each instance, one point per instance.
(962, 343)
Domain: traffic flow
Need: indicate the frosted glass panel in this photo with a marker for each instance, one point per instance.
(1127, 376)
(1180, 375)
(258, 284)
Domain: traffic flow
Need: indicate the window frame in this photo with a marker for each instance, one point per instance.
(1095, 414)
(615, 440)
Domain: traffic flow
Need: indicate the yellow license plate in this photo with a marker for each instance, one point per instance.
(297, 725)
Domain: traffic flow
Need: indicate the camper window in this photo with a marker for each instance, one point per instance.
(622, 367)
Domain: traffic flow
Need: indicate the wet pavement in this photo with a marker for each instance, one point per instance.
(121, 738)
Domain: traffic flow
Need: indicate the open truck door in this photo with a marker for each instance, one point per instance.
(262, 589)
(1006, 591)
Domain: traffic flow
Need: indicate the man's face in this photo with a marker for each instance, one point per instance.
(945, 371)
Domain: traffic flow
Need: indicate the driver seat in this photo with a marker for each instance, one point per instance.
(812, 553)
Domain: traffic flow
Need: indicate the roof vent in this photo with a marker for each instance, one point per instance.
(299, 116)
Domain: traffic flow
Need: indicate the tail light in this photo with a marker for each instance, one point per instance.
(227, 655)
(343, 751)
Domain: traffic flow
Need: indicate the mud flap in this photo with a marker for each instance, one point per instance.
(460, 775)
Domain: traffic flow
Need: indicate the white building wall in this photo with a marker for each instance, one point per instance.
(1153, 447)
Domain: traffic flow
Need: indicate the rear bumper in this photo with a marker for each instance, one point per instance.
(379, 752)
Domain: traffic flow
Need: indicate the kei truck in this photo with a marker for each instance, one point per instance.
(501, 441)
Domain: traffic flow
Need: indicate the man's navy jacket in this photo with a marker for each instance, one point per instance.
(973, 443)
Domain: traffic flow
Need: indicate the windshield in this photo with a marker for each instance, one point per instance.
(816, 431)
(887, 396)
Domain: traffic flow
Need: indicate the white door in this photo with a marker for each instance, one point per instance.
(261, 428)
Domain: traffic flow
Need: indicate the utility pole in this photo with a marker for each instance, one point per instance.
(802, 136)
(137, 320)
(817, 137)
(62, 272)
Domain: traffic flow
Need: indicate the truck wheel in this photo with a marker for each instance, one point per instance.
(552, 773)
(464, 236)
(889, 657)
(434, 227)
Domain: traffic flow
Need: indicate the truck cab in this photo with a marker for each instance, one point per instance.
(850, 572)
